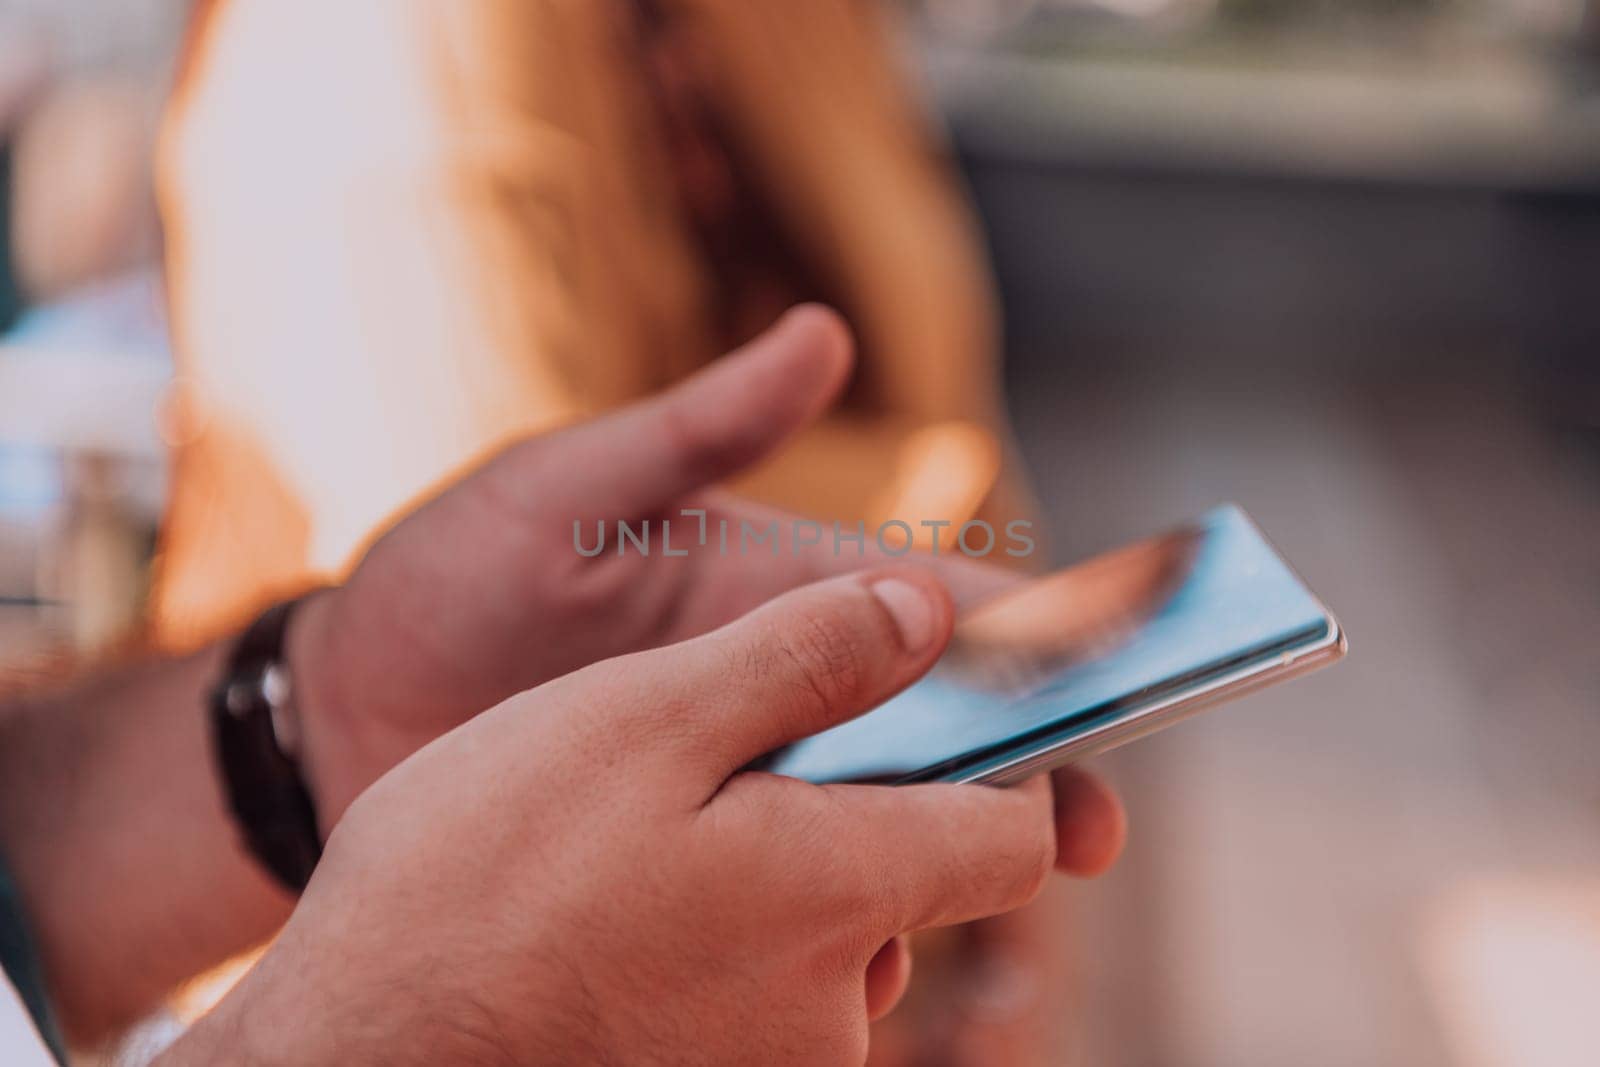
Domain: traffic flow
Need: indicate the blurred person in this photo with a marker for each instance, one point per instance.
(459, 222)
(583, 873)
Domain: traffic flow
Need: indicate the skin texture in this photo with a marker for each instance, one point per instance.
(584, 874)
(474, 598)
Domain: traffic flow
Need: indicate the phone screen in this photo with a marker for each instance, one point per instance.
(1066, 653)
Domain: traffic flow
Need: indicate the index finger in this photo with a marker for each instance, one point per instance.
(942, 854)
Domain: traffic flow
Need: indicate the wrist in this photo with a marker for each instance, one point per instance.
(232, 1031)
(307, 1008)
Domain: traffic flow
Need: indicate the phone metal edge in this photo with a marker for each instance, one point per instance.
(1151, 717)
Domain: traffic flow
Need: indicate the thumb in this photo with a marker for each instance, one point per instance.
(806, 661)
(640, 459)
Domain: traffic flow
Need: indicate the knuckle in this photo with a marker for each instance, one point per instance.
(776, 809)
(866, 895)
(784, 814)
(834, 883)
(875, 895)
(826, 654)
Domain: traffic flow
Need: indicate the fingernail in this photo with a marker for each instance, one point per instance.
(912, 611)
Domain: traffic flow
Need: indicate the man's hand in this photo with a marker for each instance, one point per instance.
(481, 593)
(111, 782)
(585, 874)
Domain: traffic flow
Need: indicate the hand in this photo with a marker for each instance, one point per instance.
(584, 874)
(481, 593)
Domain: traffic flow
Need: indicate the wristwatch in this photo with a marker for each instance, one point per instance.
(255, 730)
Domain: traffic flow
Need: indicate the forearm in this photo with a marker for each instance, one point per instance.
(114, 824)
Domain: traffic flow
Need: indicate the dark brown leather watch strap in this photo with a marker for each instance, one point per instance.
(255, 735)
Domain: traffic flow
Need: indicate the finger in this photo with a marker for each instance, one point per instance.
(936, 855)
(888, 975)
(1091, 825)
(642, 458)
(795, 666)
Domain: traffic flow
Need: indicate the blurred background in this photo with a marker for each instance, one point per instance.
(1338, 262)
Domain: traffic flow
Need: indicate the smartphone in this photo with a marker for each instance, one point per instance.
(1077, 662)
